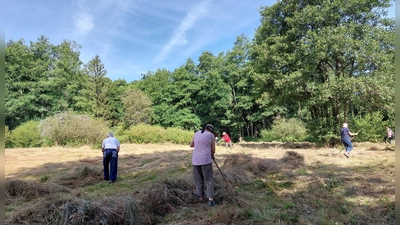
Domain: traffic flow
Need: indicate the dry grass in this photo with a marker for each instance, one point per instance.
(265, 183)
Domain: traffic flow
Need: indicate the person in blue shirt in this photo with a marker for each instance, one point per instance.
(110, 148)
(346, 140)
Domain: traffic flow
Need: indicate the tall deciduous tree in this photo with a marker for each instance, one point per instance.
(41, 79)
(136, 107)
(245, 115)
(214, 98)
(326, 57)
(185, 87)
(157, 86)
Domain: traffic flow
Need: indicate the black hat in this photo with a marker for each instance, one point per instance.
(210, 127)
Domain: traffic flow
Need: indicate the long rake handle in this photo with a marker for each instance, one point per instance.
(220, 171)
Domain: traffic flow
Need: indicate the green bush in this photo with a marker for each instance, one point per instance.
(144, 133)
(73, 130)
(26, 135)
(178, 136)
(323, 130)
(291, 130)
(371, 127)
(8, 142)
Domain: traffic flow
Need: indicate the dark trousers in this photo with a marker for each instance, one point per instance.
(388, 139)
(204, 175)
(110, 164)
(347, 144)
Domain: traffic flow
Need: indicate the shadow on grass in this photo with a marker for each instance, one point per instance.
(158, 187)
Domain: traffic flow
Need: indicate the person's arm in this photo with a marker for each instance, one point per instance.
(192, 143)
(118, 148)
(352, 134)
(212, 149)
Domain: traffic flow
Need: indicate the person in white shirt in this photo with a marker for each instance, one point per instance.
(110, 148)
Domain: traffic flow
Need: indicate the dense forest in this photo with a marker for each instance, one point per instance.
(318, 62)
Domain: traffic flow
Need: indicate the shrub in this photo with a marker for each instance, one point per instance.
(285, 130)
(371, 127)
(143, 133)
(74, 130)
(8, 142)
(178, 136)
(323, 130)
(26, 135)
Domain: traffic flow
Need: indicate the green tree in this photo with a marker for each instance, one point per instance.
(96, 92)
(244, 117)
(117, 89)
(214, 99)
(66, 78)
(184, 89)
(41, 79)
(18, 95)
(326, 57)
(157, 86)
(136, 108)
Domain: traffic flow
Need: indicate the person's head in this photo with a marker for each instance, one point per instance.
(110, 134)
(223, 133)
(209, 127)
(345, 124)
(387, 127)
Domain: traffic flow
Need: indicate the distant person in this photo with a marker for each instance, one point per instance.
(203, 143)
(346, 140)
(110, 148)
(389, 135)
(227, 140)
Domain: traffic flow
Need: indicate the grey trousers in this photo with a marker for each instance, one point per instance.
(204, 175)
(228, 144)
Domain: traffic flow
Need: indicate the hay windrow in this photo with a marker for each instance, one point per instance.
(29, 190)
(81, 176)
(292, 159)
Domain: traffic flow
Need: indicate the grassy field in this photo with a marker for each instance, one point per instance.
(263, 183)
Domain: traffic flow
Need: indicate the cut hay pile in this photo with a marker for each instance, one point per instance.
(71, 210)
(29, 190)
(81, 176)
(292, 159)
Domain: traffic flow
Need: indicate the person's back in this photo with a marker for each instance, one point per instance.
(111, 143)
(202, 148)
(345, 133)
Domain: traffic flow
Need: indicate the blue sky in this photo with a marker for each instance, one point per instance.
(133, 37)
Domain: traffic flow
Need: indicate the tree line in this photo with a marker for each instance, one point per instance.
(320, 62)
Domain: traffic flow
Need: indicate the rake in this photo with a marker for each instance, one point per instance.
(221, 172)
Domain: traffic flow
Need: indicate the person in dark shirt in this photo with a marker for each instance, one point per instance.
(345, 135)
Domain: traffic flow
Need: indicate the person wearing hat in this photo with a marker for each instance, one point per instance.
(227, 140)
(203, 144)
(110, 148)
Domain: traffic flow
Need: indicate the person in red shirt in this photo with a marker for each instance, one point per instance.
(227, 140)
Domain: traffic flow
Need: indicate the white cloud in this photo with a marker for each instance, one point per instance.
(84, 22)
(179, 36)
